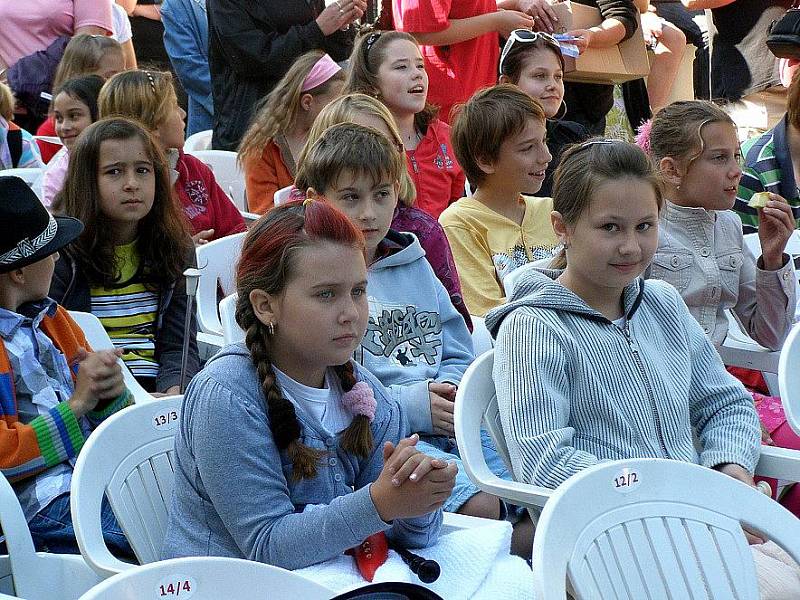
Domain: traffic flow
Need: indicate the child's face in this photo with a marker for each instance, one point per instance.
(543, 80)
(71, 116)
(402, 79)
(522, 159)
(368, 204)
(614, 238)
(712, 179)
(170, 133)
(110, 64)
(321, 315)
(37, 278)
(126, 182)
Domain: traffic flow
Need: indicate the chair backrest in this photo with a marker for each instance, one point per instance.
(227, 173)
(653, 528)
(130, 458)
(98, 339)
(231, 332)
(282, 195)
(481, 338)
(476, 408)
(217, 264)
(198, 141)
(789, 378)
(31, 175)
(208, 578)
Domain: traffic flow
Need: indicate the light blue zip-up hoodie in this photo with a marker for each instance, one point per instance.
(415, 335)
(573, 388)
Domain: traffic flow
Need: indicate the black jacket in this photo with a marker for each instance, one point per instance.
(560, 134)
(70, 288)
(252, 44)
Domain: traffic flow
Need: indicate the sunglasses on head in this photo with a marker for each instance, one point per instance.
(526, 36)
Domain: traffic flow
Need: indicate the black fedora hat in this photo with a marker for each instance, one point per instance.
(28, 232)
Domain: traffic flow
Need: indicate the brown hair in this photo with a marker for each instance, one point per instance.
(586, 166)
(349, 147)
(143, 95)
(7, 102)
(368, 55)
(268, 263)
(487, 120)
(163, 242)
(677, 129)
(278, 112)
(345, 110)
(82, 56)
(515, 60)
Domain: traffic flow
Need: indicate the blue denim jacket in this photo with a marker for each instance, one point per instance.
(234, 494)
(186, 41)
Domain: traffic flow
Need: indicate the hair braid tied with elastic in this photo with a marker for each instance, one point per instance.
(357, 438)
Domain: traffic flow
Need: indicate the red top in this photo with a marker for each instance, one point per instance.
(205, 204)
(46, 149)
(456, 71)
(436, 174)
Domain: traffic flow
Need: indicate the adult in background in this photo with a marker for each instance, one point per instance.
(186, 40)
(744, 73)
(252, 45)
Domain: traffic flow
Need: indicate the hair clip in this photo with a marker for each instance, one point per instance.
(360, 400)
(371, 39)
(308, 201)
(152, 81)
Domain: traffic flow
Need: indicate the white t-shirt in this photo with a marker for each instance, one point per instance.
(122, 24)
(324, 404)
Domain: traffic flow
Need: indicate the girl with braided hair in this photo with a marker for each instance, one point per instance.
(286, 423)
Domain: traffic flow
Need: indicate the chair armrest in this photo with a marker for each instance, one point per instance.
(779, 463)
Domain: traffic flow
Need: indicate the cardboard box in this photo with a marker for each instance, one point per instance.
(616, 64)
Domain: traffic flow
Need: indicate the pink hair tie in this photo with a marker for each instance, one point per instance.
(643, 136)
(323, 69)
(360, 400)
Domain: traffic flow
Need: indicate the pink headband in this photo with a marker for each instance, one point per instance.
(323, 69)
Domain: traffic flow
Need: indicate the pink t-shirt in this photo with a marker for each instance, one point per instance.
(32, 25)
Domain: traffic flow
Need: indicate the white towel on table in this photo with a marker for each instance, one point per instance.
(475, 563)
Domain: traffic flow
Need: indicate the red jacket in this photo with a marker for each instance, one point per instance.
(205, 204)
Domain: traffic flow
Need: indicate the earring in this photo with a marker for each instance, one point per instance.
(271, 328)
(565, 245)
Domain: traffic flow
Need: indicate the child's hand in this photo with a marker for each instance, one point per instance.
(340, 14)
(442, 404)
(507, 21)
(743, 475)
(429, 489)
(775, 226)
(99, 378)
(202, 237)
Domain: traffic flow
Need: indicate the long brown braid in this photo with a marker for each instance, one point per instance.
(266, 264)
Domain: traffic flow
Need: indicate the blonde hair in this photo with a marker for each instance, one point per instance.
(82, 56)
(345, 110)
(278, 112)
(146, 96)
(7, 102)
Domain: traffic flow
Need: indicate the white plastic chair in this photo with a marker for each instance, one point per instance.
(231, 332)
(217, 263)
(789, 378)
(226, 170)
(130, 459)
(36, 575)
(282, 195)
(476, 404)
(481, 338)
(31, 175)
(98, 339)
(208, 578)
(198, 141)
(653, 528)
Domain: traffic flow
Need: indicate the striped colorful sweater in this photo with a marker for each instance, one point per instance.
(574, 389)
(52, 438)
(767, 168)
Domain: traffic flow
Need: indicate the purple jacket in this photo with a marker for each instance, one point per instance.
(33, 74)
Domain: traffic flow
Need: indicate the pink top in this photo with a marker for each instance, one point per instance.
(54, 176)
(33, 25)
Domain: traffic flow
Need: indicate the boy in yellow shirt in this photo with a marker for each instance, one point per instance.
(499, 140)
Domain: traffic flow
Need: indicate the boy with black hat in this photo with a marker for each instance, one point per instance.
(53, 389)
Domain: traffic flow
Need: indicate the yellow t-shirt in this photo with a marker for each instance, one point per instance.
(128, 312)
(487, 246)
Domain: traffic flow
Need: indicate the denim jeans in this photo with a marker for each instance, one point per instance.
(52, 530)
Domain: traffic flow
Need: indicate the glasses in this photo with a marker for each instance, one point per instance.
(526, 36)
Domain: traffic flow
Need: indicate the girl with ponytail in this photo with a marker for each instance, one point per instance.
(287, 422)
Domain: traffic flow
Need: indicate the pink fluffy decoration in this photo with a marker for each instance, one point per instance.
(643, 136)
(360, 400)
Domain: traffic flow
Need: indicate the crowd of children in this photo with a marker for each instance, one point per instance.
(357, 292)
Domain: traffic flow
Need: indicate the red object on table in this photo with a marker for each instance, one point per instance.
(371, 554)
